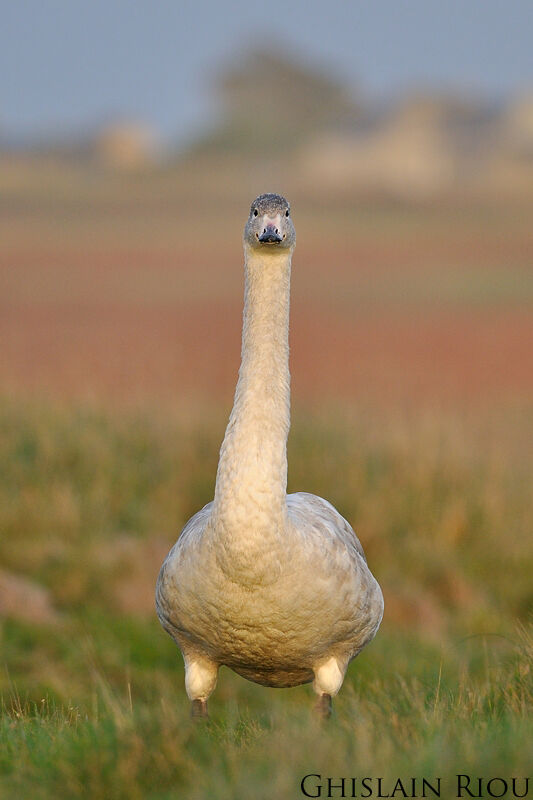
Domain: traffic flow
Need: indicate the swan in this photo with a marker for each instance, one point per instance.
(274, 586)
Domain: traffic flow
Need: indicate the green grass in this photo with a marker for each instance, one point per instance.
(441, 715)
(93, 703)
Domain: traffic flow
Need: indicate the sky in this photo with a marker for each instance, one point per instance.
(67, 65)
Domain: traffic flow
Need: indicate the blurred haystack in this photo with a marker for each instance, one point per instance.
(121, 145)
(509, 167)
(518, 125)
(405, 150)
(125, 145)
(424, 145)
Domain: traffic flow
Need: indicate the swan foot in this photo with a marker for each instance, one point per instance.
(328, 680)
(199, 709)
(200, 680)
(323, 706)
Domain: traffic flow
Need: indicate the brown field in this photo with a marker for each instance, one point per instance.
(182, 351)
(111, 290)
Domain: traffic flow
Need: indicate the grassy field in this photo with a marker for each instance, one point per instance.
(411, 342)
(93, 697)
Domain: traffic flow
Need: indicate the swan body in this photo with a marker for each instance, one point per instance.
(274, 586)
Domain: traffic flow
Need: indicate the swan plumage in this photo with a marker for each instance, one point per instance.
(274, 586)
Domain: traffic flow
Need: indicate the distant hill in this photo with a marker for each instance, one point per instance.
(279, 116)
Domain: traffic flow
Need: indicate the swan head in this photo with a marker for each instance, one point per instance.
(269, 225)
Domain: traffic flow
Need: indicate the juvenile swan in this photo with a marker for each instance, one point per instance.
(274, 586)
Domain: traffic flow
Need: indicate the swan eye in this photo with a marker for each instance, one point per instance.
(287, 213)
(256, 212)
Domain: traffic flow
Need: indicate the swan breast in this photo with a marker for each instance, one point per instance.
(325, 599)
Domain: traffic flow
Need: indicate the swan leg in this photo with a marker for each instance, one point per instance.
(323, 706)
(200, 680)
(328, 680)
(199, 709)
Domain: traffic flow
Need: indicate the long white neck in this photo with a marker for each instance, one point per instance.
(250, 493)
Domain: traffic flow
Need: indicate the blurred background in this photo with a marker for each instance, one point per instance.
(132, 142)
(133, 138)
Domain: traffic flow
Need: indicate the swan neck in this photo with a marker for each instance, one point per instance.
(252, 473)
